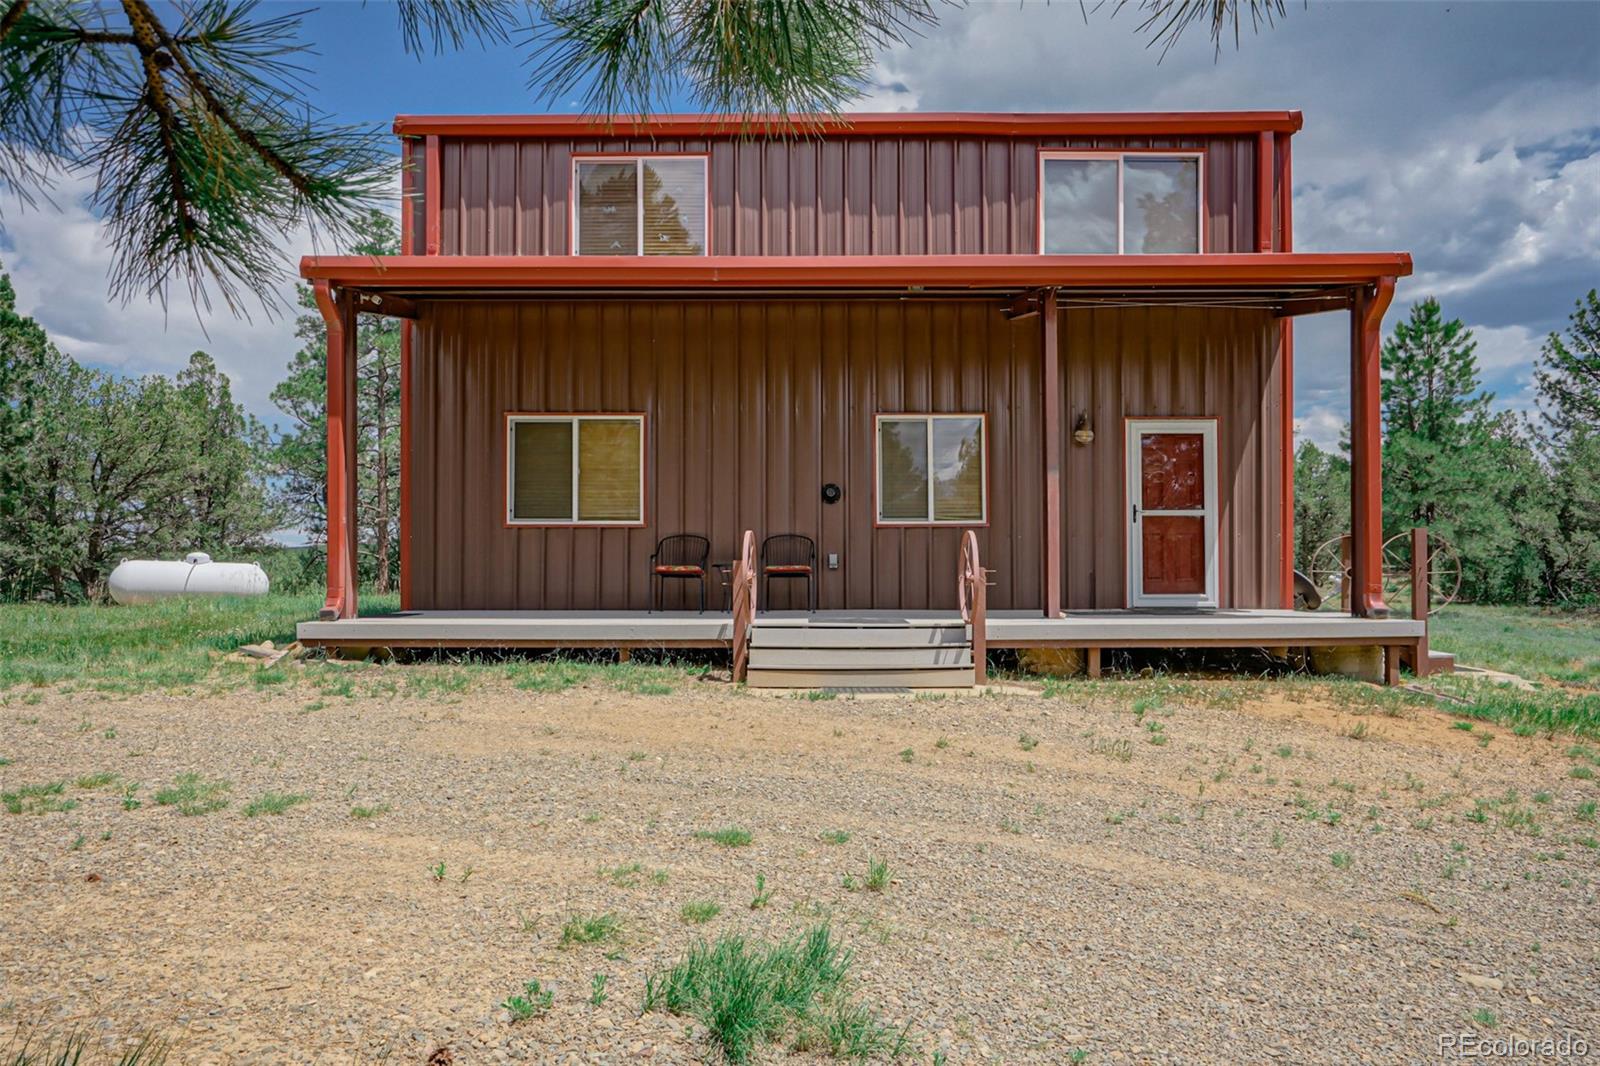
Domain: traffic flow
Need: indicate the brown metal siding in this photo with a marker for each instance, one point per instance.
(1181, 363)
(841, 196)
(752, 407)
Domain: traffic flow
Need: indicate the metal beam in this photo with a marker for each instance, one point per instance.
(1050, 358)
(1366, 451)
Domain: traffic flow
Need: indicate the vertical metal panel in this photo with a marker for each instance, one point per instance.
(752, 406)
(1172, 362)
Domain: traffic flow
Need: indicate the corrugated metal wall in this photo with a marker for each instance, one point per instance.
(753, 405)
(1173, 363)
(837, 196)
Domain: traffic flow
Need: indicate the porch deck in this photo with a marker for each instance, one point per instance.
(1005, 629)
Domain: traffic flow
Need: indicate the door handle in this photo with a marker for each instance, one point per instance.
(1136, 512)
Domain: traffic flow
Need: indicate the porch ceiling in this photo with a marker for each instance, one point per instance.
(1285, 282)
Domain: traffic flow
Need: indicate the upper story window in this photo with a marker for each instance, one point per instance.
(640, 205)
(1105, 203)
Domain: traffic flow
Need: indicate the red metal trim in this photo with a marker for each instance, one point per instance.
(408, 180)
(340, 601)
(644, 470)
(431, 195)
(1264, 174)
(986, 272)
(1050, 359)
(877, 470)
(1285, 189)
(582, 157)
(1366, 451)
(969, 123)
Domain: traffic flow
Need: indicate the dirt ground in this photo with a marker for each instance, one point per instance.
(1248, 872)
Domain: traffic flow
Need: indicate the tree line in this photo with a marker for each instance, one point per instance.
(1517, 496)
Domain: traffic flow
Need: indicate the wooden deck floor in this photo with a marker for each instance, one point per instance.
(1014, 629)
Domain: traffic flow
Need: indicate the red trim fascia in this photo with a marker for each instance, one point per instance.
(930, 123)
(992, 272)
(644, 470)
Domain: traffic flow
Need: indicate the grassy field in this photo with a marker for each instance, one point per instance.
(184, 646)
(1540, 645)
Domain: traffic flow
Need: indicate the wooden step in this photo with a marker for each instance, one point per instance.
(931, 677)
(852, 658)
(1441, 662)
(763, 635)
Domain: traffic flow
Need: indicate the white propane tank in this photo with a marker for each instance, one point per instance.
(147, 580)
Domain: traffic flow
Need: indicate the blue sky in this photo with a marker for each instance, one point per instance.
(1465, 133)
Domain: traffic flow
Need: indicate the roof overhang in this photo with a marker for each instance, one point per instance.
(866, 124)
(1285, 282)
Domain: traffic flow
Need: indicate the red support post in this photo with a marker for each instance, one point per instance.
(1286, 359)
(1264, 181)
(1366, 451)
(338, 314)
(1050, 356)
(431, 196)
(408, 187)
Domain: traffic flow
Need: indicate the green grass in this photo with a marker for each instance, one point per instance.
(91, 781)
(192, 794)
(592, 930)
(834, 836)
(699, 912)
(532, 1001)
(1548, 709)
(370, 812)
(171, 644)
(731, 836)
(28, 1048)
(37, 799)
(273, 803)
(1559, 646)
(745, 995)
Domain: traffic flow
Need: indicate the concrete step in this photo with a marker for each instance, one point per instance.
(1441, 662)
(765, 635)
(836, 658)
(933, 677)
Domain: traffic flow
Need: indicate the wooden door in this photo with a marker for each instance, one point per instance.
(1172, 493)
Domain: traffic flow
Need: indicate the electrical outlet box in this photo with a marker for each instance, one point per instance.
(833, 560)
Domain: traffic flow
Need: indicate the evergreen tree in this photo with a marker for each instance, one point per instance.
(1567, 379)
(1321, 501)
(300, 455)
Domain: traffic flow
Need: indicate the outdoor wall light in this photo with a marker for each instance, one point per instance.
(831, 493)
(1081, 432)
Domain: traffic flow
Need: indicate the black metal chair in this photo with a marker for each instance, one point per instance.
(790, 555)
(681, 556)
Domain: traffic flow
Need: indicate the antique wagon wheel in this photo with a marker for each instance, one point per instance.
(1444, 571)
(968, 575)
(1328, 571)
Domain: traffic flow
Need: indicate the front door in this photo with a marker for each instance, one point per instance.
(1172, 515)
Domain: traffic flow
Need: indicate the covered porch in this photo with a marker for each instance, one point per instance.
(1047, 553)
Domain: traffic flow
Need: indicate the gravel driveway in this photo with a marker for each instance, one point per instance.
(1143, 871)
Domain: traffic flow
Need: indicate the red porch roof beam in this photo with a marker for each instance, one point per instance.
(912, 272)
(866, 124)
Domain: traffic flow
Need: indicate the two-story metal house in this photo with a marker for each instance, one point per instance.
(1069, 334)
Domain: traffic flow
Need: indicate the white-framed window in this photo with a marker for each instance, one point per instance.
(639, 205)
(1110, 203)
(932, 469)
(575, 469)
